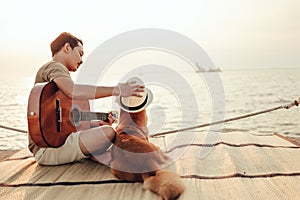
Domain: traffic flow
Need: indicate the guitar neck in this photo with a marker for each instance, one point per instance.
(88, 116)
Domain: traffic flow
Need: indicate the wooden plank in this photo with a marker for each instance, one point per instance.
(6, 154)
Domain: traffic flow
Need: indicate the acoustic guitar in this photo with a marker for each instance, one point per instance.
(52, 116)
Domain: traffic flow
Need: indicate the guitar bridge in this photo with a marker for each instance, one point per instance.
(58, 116)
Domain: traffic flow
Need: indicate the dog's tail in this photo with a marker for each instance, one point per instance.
(165, 183)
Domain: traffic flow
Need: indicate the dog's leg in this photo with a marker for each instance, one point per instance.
(165, 183)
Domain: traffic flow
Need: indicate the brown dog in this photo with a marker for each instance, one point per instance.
(134, 158)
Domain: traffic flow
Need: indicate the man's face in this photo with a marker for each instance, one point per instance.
(75, 57)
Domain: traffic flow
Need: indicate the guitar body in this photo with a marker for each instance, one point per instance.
(49, 124)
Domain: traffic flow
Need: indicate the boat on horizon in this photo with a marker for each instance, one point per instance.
(201, 69)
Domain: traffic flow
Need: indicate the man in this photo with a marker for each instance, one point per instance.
(67, 52)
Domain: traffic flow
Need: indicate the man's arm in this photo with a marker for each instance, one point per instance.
(67, 86)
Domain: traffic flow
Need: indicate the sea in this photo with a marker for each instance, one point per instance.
(198, 97)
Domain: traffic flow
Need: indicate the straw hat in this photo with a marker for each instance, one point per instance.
(133, 104)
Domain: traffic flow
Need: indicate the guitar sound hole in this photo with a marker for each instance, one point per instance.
(75, 116)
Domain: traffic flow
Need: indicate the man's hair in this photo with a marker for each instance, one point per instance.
(61, 40)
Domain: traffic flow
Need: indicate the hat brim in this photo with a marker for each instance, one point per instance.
(139, 108)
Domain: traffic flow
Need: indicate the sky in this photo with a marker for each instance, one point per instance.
(234, 33)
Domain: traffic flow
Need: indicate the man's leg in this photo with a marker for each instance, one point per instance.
(96, 139)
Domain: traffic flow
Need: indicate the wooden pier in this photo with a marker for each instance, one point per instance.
(236, 166)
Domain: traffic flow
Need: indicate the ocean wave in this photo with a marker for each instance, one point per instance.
(228, 130)
(9, 104)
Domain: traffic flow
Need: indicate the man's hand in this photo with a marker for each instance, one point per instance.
(109, 121)
(130, 89)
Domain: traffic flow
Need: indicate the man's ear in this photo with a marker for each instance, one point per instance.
(67, 47)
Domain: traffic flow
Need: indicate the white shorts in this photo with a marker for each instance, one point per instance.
(69, 152)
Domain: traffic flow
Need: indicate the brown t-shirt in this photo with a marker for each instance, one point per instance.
(48, 72)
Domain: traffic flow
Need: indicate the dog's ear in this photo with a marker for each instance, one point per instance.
(124, 117)
(139, 118)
